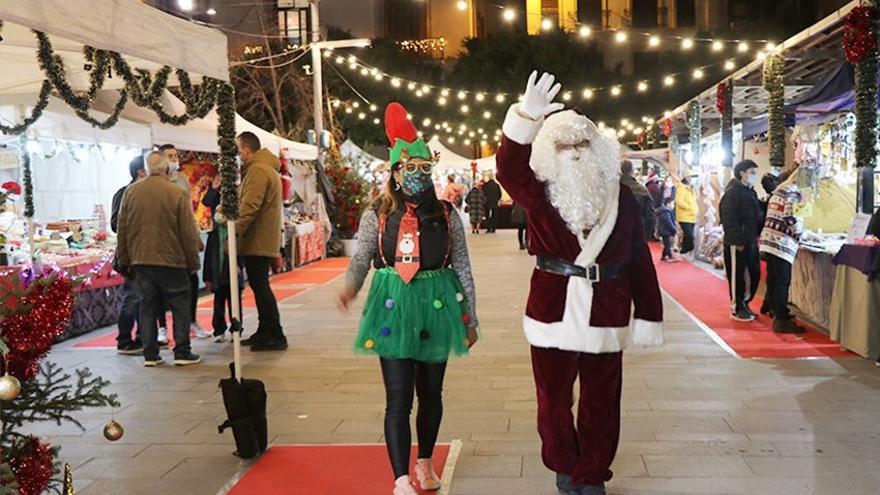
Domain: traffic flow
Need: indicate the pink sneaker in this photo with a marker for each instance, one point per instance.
(404, 486)
(428, 479)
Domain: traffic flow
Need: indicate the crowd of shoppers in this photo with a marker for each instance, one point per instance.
(158, 246)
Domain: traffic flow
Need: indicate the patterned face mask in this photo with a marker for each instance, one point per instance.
(416, 181)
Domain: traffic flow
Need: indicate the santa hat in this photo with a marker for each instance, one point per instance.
(403, 136)
(12, 188)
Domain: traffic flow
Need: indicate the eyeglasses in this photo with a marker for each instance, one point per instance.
(424, 167)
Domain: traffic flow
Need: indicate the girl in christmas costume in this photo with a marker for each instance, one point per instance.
(421, 304)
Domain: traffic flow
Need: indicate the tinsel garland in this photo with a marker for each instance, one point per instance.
(695, 128)
(725, 94)
(34, 469)
(27, 179)
(860, 34)
(866, 111)
(228, 151)
(774, 84)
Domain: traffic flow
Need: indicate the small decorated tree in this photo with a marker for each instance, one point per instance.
(350, 191)
(35, 309)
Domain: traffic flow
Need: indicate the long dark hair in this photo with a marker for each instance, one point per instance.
(392, 198)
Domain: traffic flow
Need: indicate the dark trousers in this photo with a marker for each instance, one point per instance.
(586, 449)
(491, 218)
(222, 302)
(687, 242)
(522, 236)
(129, 307)
(667, 246)
(747, 276)
(172, 285)
(778, 284)
(194, 299)
(401, 377)
(257, 268)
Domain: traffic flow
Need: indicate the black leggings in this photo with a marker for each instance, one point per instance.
(401, 376)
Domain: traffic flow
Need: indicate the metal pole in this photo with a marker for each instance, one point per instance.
(233, 294)
(317, 81)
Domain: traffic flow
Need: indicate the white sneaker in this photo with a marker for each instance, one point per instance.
(404, 486)
(220, 338)
(163, 337)
(200, 332)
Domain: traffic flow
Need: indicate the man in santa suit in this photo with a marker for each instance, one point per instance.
(593, 266)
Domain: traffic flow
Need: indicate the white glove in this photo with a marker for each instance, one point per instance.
(538, 100)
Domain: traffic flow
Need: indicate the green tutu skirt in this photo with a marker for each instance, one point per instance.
(423, 320)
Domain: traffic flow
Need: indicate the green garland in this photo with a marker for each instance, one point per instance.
(27, 179)
(228, 151)
(695, 126)
(774, 84)
(866, 111)
(36, 113)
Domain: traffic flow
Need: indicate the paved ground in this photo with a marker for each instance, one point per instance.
(695, 420)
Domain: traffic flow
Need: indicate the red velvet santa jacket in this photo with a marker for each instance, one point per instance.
(570, 313)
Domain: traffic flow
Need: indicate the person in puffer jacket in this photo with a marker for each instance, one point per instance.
(742, 219)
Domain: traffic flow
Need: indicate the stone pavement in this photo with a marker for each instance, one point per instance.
(695, 420)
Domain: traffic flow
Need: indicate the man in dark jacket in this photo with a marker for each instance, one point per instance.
(742, 218)
(492, 191)
(128, 306)
(643, 197)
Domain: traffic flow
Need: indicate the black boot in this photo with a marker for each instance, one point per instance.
(787, 326)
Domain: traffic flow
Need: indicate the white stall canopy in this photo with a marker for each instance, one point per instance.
(449, 160)
(148, 38)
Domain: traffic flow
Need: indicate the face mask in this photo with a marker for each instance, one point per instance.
(173, 166)
(752, 180)
(416, 182)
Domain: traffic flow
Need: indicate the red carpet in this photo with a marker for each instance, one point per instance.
(326, 470)
(705, 296)
(314, 274)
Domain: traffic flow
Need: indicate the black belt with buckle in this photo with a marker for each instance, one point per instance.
(594, 273)
(406, 259)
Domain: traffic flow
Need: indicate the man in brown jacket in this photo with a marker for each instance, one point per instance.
(259, 236)
(157, 246)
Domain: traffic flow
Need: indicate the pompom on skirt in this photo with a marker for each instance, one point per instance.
(425, 320)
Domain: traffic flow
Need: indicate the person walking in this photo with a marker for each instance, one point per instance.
(686, 213)
(216, 269)
(128, 304)
(476, 207)
(157, 246)
(182, 181)
(666, 229)
(259, 236)
(492, 191)
(778, 246)
(742, 220)
(520, 220)
(643, 197)
(421, 304)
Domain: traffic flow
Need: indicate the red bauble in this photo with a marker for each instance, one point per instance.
(667, 127)
(34, 469)
(721, 98)
(859, 37)
(41, 315)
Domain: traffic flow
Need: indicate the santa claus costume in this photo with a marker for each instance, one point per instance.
(421, 305)
(593, 266)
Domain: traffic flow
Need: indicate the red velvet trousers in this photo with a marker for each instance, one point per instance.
(586, 449)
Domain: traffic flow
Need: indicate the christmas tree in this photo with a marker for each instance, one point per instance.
(35, 309)
(350, 193)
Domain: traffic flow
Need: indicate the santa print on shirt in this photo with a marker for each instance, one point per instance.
(571, 313)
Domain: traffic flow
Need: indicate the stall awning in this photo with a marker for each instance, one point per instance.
(147, 37)
(450, 160)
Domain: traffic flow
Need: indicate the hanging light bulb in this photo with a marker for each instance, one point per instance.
(467, 142)
(729, 65)
(621, 133)
(770, 46)
(624, 122)
(461, 5)
(441, 101)
(615, 91)
(687, 43)
(426, 122)
(377, 76)
(743, 47)
(472, 134)
(365, 72)
(426, 89)
(411, 86)
(499, 98)
(546, 24)
(445, 92)
(373, 108)
(409, 116)
(637, 131)
(717, 46)
(419, 93)
(588, 93)
(760, 55)
(566, 96)
(395, 82)
(480, 97)
(509, 15)
(461, 95)
(362, 116)
(698, 74)
(667, 114)
(328, 53)
(376, 121)
(356, 104)
(487, 115)
(339, 60)
(643, 86)
(620, 37)
(348, 110)
(585, 32)
(352, 59)
(450, 140)
(654, 41)
(669, 80)
(437, 127)
(465, 109)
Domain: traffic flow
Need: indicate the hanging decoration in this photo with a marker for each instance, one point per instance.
(860, 47)
(774, 84)
(68, 488)
(695, 128)
(27, 179)
(724, 105)
(35, 467)
(667, 127)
